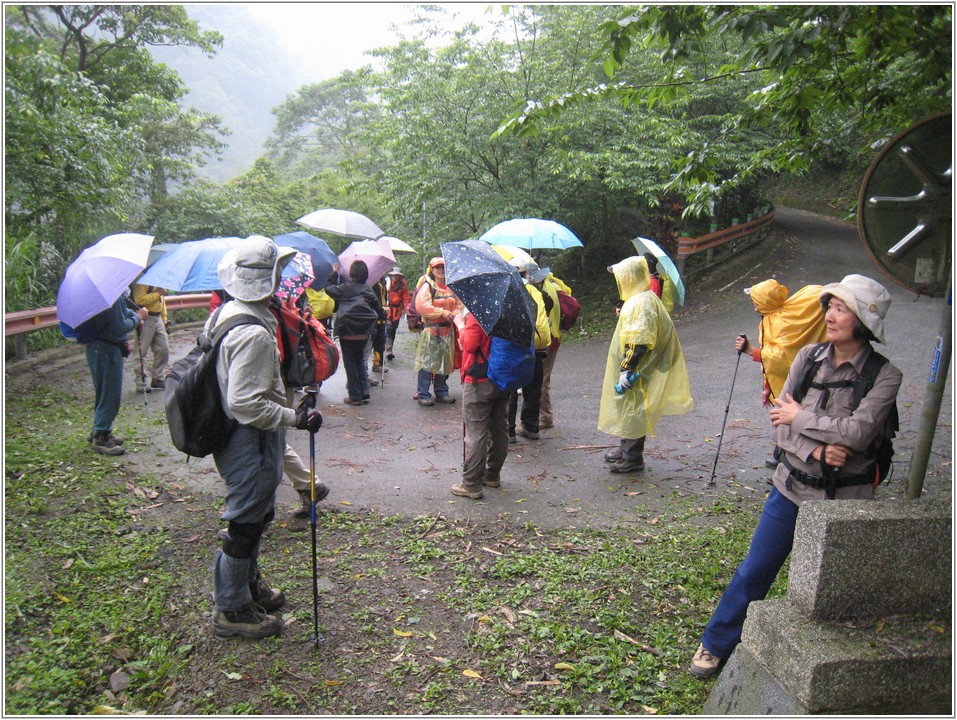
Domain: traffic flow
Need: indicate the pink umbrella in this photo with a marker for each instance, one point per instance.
(376, 254)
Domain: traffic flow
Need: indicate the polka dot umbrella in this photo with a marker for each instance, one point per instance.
(491, 289)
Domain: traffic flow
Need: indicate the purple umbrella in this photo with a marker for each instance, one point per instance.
(376, 254)
(99, 276)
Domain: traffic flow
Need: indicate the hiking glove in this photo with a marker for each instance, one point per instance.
(308, 419)
(308, 402)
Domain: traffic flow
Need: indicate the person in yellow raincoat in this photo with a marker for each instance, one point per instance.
(435, 354)
(787, 325)
(645, 364)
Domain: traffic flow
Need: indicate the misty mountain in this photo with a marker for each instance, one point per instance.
(250, 75)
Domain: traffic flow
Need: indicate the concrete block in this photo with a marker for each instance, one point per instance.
(862, 558)
(745, 687)
(897, 662)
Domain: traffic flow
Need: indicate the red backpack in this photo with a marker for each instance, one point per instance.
(307, 354)
(569, 308)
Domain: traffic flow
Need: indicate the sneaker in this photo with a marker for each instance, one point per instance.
(445, 399)
(248, 622)
(613, 455)
(627, 466)
(350, 401)
(305, 506)
(366, 398)
(105, 444)
(463, 491)
(158, 384)
(704, 664)
(525, 432)
(373, 383)
(492, 482)
(426, 402)
(266, 597)
(389, 356)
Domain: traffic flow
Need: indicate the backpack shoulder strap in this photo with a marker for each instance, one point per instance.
(220, 331)
(811, 364)
(872, 366)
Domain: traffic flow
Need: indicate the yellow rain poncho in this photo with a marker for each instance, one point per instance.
(663, 388)
(787, 325)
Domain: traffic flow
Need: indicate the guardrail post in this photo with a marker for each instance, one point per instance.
(20, 343)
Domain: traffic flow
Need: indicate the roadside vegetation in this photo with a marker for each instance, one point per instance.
(107, 600)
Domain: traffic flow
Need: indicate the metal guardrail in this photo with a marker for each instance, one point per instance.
(22, 322)
(688, 246)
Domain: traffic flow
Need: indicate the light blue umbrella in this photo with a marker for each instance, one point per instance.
(643, 245)
(191, 266)
(532, 234)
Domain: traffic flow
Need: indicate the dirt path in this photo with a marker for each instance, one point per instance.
(397, 457)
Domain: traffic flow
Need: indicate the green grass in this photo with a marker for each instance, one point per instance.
(429, 616)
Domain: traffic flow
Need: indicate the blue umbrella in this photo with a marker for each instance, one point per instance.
(322, 256)
(191, 266)
(491, 289)
(532, 234)
(643, 245)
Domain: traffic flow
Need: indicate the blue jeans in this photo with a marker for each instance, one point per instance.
(440, 382)
(106, 367)
(357, 374)
(770, 547)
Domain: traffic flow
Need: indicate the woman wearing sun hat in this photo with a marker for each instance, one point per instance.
(820, 436)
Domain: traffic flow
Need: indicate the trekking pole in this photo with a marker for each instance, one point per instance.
(727, 408)
(317, 638)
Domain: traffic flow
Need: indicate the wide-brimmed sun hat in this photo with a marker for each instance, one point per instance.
(866, 298)
(251, 271)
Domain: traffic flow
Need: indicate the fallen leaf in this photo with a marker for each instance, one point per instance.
(509, 615)
(471, 674)
(493, 552)
(332, 682)
(880, 627)
(564, 666)
(572, 510)
(937, 628)
(402, 633)
(232, 675)
(653, 521)
(345, 502)
(632, 494)
(68, 564)
(62, 598)
(543, 682)
(105, 710)
(649, 710)
(531, 613)
(485, 619)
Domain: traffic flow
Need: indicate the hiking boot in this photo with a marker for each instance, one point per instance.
(350, 401)
(158, 384)
(266, 597)
(366, 398)
(613, 455)
(105, 444)
(389, 355)
(627, 466)
(426, 402)
(704, 664)
(492, 482)
(116, 439)
(463, 491)
(248, 622)
(305, 506)
(445, 399)
(525, 432)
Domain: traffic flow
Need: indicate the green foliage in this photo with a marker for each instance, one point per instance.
(829, 78)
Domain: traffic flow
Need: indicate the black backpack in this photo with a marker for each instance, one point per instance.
(194, 410)
(882, 449)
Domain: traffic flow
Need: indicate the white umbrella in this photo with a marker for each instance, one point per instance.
(342, 222)
(400, 246)
(643, 245)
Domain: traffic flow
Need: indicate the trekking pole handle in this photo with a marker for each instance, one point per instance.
(742, 335)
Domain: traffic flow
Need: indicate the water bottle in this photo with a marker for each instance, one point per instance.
(632, 377)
